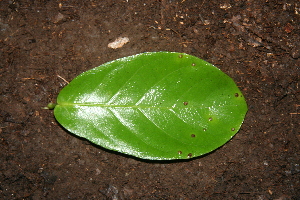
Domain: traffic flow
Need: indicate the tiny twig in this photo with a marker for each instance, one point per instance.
(296, 113)
(63, 79)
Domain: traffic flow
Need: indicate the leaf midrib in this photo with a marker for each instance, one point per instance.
(126, 106)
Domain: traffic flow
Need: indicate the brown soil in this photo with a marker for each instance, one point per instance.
(46, 43)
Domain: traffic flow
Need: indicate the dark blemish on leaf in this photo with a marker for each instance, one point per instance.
(180, 56)
(210, 119)
(232, 129)
(185, 103)
(236, 94)
(193, 135)
(179, 152)
(190, 155)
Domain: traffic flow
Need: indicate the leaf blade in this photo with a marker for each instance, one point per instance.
(159, 105)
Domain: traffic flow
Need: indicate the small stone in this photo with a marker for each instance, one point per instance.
(118, 43)
(295, 52)
(58, 18)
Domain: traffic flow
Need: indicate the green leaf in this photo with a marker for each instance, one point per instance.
(158, 106)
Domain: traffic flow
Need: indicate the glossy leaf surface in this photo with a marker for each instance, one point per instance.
(157, 105)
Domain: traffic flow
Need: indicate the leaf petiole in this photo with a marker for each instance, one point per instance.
(50, 106)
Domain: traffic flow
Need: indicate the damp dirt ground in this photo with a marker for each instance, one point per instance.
(45, 44)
